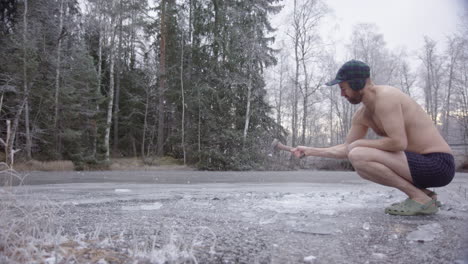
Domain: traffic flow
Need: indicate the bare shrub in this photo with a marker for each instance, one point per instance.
(32, 231)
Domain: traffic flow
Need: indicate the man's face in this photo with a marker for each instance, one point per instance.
(352, 96)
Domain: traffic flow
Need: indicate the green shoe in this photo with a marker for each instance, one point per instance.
(411, 207)
(431, 194)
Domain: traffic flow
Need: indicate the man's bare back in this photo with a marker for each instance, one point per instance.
(415, 121)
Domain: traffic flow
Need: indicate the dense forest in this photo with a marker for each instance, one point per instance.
(202, 81)
(92, 80)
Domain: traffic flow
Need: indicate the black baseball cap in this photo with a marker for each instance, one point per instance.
(351, 70)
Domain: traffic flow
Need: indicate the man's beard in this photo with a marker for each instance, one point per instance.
(355, 99)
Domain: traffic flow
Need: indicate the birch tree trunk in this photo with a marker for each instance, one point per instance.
(57, 80)
(249, 86)
(111, 90)
(247, 112)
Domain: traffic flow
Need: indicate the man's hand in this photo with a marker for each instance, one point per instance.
(299, 151)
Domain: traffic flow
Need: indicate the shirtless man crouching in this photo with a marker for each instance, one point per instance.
(410, 154)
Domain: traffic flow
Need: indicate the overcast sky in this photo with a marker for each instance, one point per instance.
(403, 23)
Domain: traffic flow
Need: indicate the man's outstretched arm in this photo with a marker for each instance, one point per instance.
(356, 132)
(336, 152)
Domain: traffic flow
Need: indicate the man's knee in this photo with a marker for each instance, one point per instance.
(359, 155)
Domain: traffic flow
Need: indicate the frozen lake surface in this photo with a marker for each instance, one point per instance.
(234, 217)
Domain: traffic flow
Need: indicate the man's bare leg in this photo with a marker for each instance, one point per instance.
(386, 168)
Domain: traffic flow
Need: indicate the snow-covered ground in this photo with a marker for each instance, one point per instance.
(338, 219)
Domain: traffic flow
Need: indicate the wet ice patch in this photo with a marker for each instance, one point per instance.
(144, 207)
(324, 227)
(322, 203)
(310, 259)
(379, 255)
(268, 220)
(122, 190)
(425, 232)
(90, 201)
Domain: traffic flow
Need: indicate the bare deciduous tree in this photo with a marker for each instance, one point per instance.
(306, 40)
(453, 53)
(432, 79)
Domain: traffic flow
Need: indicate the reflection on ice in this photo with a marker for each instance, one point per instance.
(122, 190)
(144, 207)
(425, 232)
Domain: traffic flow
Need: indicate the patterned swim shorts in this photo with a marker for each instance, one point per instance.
(431, 170)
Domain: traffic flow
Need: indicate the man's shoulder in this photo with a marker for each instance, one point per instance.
(360, 115)
(389, 95)
(387, 91)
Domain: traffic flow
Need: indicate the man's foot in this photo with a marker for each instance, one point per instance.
(433, 196)
(411, 207)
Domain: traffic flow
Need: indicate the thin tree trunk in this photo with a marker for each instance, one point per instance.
(454, 53)
(249, 88)
(57, 81)
(134, 147)
(132, 42)
(10, 152)
(280, 99)
(183, 97)
(109, 106)
(190, 76)
(162, 82)
(332, 142)
(26, 88)
(1, 103)
(447, 110)
(151, 140)
(117, 87)
(4, 143)
(145, 123)
(111, 93)
(305, 102)
(199, 122)
(247, 112)
(98, 90)
(296, 79)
